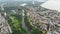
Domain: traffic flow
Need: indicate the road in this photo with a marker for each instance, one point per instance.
(23, 23)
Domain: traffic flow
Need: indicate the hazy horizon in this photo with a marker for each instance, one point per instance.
(22, 0)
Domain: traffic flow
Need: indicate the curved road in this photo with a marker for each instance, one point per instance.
(23, 23)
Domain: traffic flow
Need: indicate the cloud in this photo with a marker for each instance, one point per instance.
(41, 0)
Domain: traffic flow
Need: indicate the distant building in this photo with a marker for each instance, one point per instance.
(4, 26)
(45, 20)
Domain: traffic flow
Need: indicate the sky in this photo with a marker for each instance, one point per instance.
(22, 0)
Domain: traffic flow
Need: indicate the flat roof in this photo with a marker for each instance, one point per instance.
(52, 4)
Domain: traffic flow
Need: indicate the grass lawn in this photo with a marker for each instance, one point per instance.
(15, 23)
